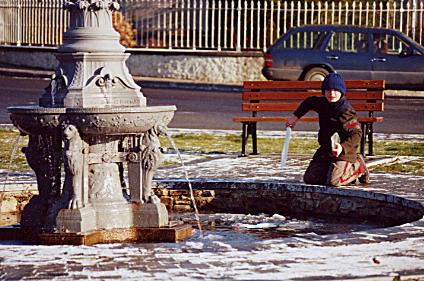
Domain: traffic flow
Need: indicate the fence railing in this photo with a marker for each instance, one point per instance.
(231, 25)
(32, 22)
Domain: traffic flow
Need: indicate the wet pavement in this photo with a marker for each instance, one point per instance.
(234, 254)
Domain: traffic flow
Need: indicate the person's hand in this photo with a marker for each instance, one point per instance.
(337, 149)
(291, 121)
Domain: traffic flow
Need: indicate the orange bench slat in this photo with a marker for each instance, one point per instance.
(301, 95)
(358, 84)
(293, 106)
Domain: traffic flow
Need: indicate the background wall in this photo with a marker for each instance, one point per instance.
(207, 67)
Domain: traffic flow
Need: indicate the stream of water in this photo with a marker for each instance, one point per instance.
(9, 166)
(196, 211)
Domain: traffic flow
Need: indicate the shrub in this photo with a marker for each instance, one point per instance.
(125, 29)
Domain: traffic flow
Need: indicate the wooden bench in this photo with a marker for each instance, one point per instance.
(261, 97)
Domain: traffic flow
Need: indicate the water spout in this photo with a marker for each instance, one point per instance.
(196, 212)
(53, 90)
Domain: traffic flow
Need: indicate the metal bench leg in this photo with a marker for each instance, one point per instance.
(364, 135)
(254, 138)
(370, 139)
(244, 136)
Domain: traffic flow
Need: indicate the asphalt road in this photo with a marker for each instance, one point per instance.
(214, 110)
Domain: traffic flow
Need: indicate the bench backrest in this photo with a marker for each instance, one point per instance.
(364, 95)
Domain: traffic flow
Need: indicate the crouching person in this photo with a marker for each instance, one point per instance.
(334, 163)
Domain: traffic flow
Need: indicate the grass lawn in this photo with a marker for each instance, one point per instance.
(207, 143)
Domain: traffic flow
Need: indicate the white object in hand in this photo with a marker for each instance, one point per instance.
(335, 139)
(285, 150)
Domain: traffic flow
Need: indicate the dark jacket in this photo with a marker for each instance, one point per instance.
(335, 117)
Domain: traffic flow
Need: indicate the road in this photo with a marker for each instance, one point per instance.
(214, 110)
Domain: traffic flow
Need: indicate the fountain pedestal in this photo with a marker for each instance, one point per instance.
(152, 215)
(76, 220)
(93, 121)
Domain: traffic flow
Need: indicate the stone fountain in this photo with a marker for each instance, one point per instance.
(91, 123)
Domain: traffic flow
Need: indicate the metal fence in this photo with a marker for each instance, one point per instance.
(231, 25)
(32, 22)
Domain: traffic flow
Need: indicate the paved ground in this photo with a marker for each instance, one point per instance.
(370, 254)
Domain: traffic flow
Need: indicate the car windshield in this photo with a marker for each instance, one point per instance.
(303, 40)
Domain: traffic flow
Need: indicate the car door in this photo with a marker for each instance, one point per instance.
(349, 54)
(294, 52)
(396, 60)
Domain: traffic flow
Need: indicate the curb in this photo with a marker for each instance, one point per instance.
(160, 83)
(27, 73)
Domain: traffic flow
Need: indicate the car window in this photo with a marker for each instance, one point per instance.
(390, 44)
(348, 42)
(303, 40)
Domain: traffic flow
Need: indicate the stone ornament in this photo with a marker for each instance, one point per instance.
(74, 166)
(92, 5)
(91, 13)
(106, 82)
(151, 158)
(58, 84)
(43, 157)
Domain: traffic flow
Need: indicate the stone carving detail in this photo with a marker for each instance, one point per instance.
(92, 5)
(104, 182)
(43, 157)
(91, 13)
(58, 84)
(74, 166)
(151, 157)
(106, 82)
(78, 77)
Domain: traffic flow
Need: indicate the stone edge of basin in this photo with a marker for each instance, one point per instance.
(106, 110)
(290, 186)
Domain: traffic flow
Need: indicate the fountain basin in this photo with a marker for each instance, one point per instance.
(293, 199)
(334, 210)
(36, 120)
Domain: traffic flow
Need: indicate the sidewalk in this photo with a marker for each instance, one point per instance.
(169, 83)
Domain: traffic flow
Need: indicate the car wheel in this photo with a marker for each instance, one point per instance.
(316, 74)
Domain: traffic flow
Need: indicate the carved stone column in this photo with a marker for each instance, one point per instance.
(152, 213)
(135, 169)
(151, 158)
(77, 214)
(91, 28)
(42, 154)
